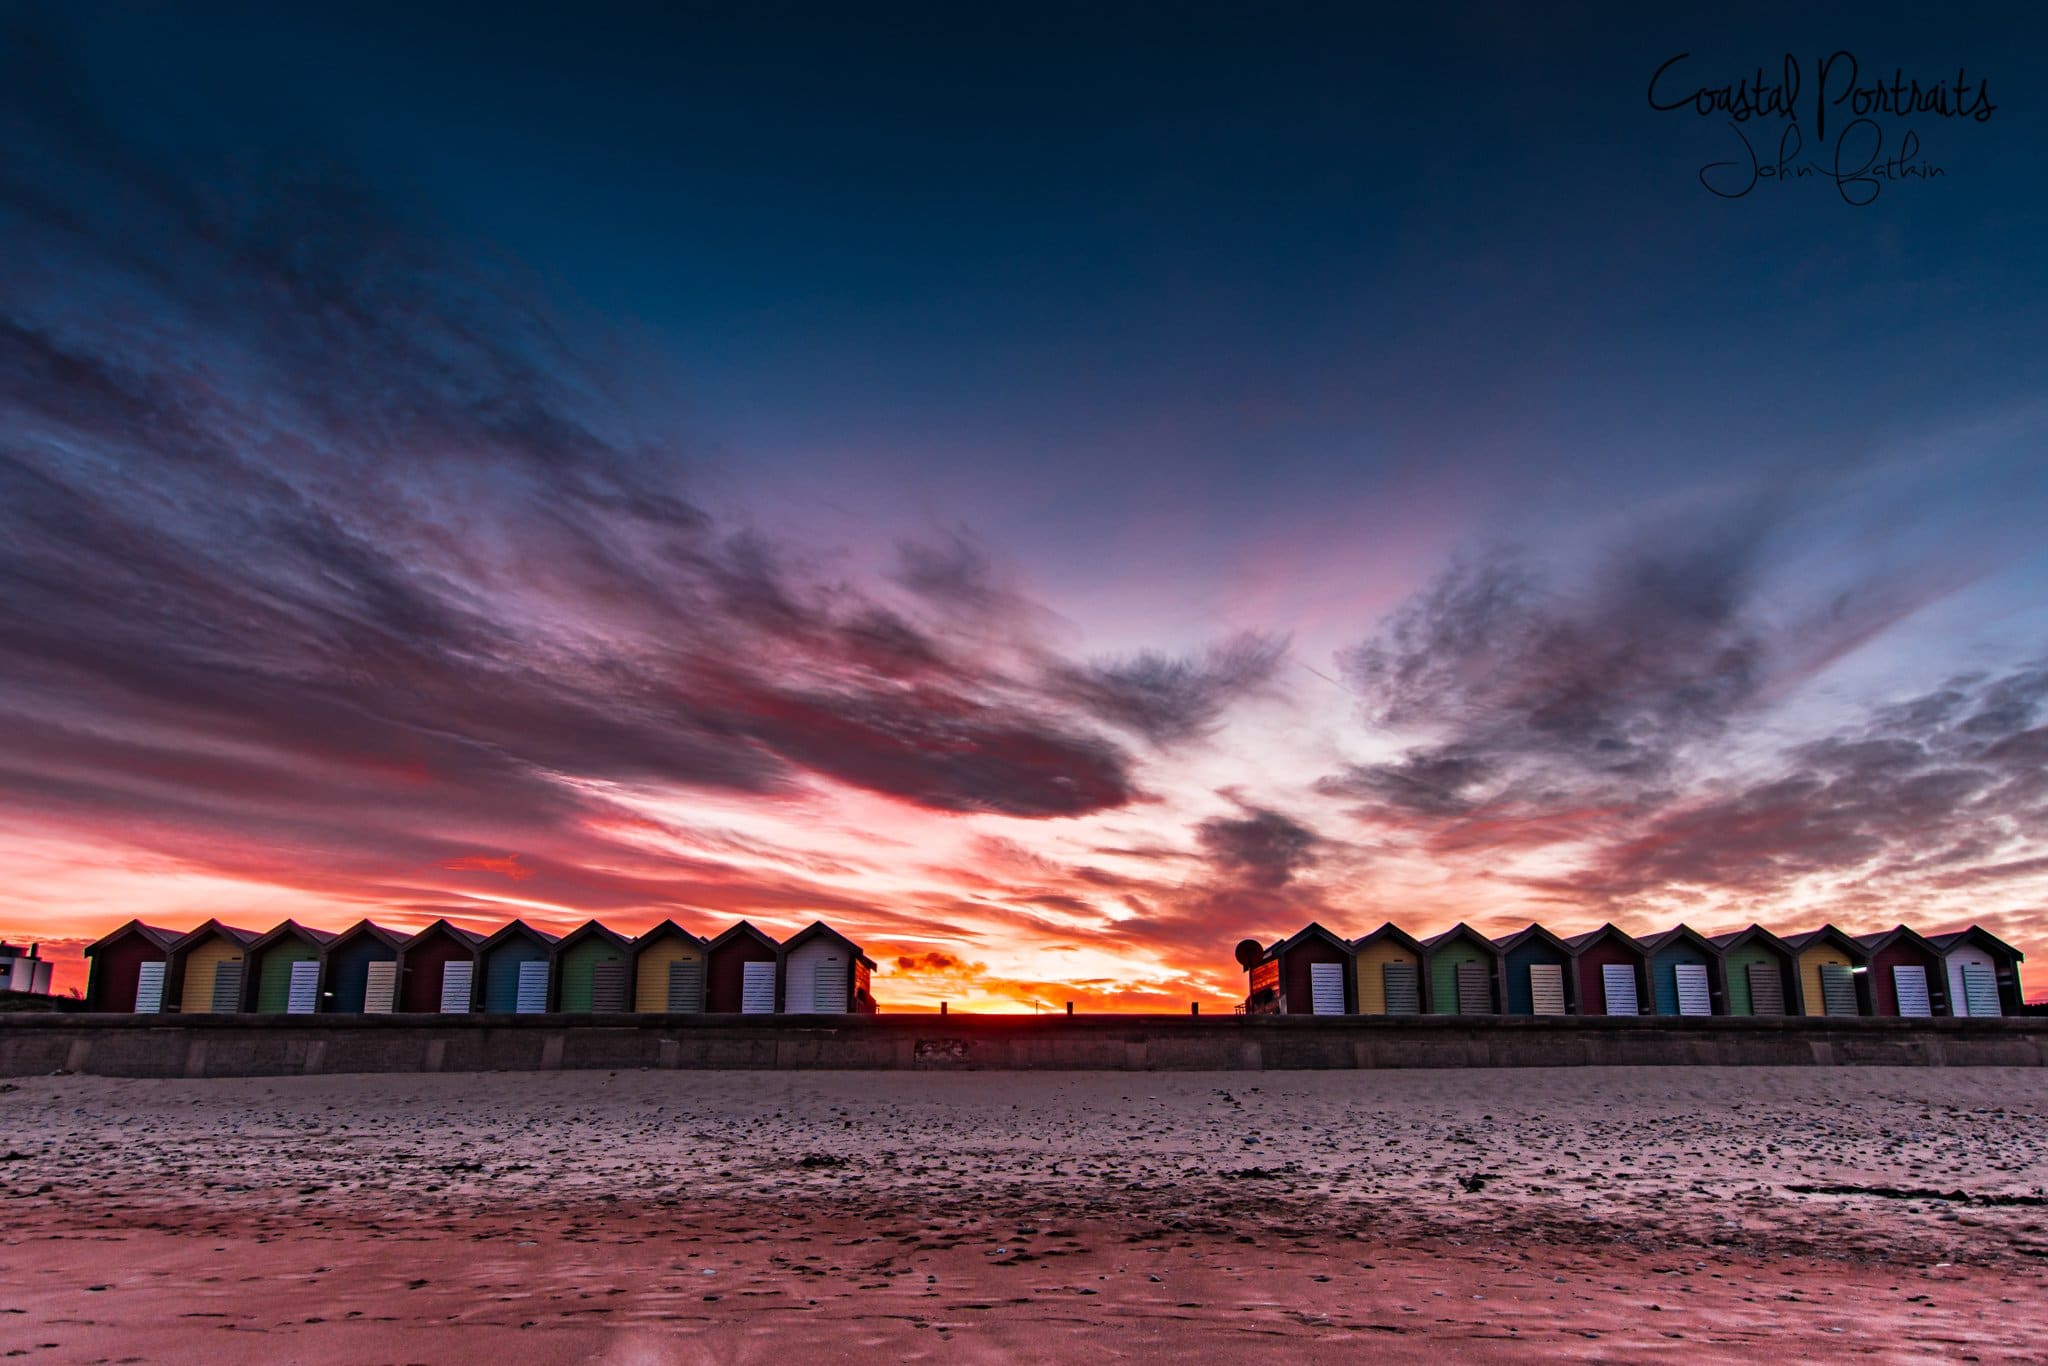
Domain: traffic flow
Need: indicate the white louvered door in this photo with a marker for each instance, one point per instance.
(1694, 995)
(304, 997)
(533, 989)
(1909, 984)
(149, 989)
(1980, 989)
(828, 995)
(380, 989)
(757, 989)
(456, 981)
(1546, 988)
(1618, 981)
(1326, 988)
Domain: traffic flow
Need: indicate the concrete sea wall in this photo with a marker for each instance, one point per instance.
(247, 1046)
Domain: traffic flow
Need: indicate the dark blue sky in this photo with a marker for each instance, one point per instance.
(1194, 243)
(1239, 335)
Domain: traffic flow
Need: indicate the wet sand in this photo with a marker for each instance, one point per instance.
(1599, 1214)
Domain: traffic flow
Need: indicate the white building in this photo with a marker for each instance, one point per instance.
(22, 970)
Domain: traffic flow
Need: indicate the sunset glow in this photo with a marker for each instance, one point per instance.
(430, 522)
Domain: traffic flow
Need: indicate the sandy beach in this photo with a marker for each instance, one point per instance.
(1599, 1214)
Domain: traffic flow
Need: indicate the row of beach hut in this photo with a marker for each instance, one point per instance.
(1607, 972)
(369, 969)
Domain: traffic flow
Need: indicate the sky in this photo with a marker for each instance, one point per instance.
(1051, 492)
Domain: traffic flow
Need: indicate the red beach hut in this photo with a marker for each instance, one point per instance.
(1614, 972)
(437, 971)
(127, 972)
(1311, 969)
(1906, 976)
(740, 972)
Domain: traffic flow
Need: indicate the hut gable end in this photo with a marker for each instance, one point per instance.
(590, 970)
(821, 971)
(730, 986)
(117, 961)
(668, 970)
(1316, 972)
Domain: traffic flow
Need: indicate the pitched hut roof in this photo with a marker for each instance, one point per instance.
(1459, 931)
(469, 938)
(1581, 942)
(389, 938)
(1875, 944)
(293, 929)
(1983, 938)
(156, 934)
(1388, 931)
(1735, 939)
(746, 928)
(1800, 943)
(819, 928)
(212, 927)
(665, 930)
(1312, 930)
(516, 929)
(1663, 939)
(591, 929)
(1534, 932)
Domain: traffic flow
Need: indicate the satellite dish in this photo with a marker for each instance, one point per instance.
(1249, 953)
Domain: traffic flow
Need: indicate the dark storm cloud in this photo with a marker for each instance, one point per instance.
(1435, 782)
(1168, 699)
(1261, 849)
(312, 526)
(938, 747)
(1891, 807)
(1659, 650)
(1605, 723)
(1530, 690)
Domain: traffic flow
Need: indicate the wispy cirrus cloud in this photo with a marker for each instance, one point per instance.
(1260, 848)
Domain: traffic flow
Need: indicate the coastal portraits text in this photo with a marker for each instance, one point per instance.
(1843, 127)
